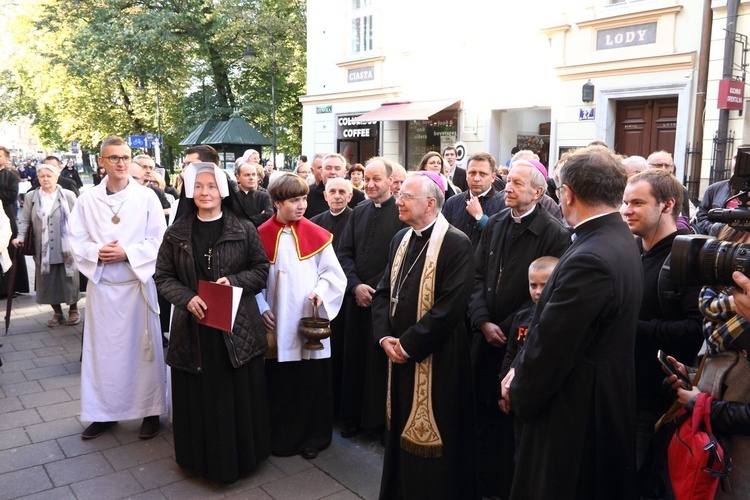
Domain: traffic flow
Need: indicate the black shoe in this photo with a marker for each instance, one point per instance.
(149, 427)
(96, 429)
(309, 453)
(350, 429)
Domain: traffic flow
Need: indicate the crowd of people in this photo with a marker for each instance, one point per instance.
(497, 327)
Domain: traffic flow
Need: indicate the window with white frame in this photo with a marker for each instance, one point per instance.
(361, 26)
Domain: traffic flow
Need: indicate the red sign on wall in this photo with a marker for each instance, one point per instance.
(731, 94)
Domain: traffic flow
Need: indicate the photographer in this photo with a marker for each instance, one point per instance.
(726, 372)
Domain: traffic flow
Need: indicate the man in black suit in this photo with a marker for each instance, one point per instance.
(457, 175)
(573, 386)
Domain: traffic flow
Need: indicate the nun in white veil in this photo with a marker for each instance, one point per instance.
(220, 410)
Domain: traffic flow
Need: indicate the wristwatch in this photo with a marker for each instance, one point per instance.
(478, 217)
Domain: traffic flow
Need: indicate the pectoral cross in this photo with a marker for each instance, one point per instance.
(209, 255)
(394, 303)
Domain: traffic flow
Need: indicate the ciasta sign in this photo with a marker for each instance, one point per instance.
(731, 94)
(361, 74)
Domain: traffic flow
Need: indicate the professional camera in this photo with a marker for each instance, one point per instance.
(704, 260)
(698, 259)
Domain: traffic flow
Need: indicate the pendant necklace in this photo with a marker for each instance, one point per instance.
(402, 277)
(115, 218)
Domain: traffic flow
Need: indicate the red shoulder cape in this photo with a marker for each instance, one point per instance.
(309, 238)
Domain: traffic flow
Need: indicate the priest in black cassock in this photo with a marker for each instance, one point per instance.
(338, 192)
(334, 165)
(364, 255)
(248, 201)
(418, 321)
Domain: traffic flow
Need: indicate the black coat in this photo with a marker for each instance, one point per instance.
(496, 296)
(459, 178)
(574, 386)
(240, 257)
(455, 211)
(254, 205)
(316, 202)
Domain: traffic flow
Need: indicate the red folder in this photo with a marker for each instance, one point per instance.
(222, 301)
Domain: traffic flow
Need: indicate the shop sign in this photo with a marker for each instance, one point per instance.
(322, 110)
(350, 128)
(731, 94)
(626, 36)
(362, 74)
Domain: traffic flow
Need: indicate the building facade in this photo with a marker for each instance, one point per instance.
(400, 79)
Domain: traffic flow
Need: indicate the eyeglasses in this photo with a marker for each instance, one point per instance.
(114, 159)
(660, 165)
(409, 196)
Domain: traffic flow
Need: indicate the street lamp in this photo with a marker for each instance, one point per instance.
(250, 53)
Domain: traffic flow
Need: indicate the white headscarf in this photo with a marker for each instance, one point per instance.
(192, 171)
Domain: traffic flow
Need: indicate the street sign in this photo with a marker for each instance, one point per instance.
(142, 141)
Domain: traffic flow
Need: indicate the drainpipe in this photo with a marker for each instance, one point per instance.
(721, 145)
(696, 158)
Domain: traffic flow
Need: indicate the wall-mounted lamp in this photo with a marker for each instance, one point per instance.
(587, 92)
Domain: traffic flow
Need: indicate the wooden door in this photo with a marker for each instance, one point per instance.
(645, 126)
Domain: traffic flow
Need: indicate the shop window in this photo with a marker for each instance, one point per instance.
(432, 135)
(361, 26)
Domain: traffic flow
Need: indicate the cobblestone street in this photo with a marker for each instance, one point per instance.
(42, 454)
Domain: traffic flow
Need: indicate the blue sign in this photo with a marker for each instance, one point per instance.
(142, 141)
(585, 114)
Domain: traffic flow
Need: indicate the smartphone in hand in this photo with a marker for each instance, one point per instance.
(686, 384)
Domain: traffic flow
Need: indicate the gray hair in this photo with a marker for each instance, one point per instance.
(537, 178)
(431, 190)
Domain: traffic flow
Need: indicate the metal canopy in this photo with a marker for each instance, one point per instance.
(199, 133)
(236, 131)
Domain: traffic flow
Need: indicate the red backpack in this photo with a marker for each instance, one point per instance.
(696, 460)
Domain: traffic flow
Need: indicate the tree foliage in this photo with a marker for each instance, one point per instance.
(86, 69)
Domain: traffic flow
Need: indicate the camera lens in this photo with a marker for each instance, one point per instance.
(719, 259)
(703, 260)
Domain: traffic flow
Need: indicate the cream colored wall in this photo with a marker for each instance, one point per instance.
(489, 55)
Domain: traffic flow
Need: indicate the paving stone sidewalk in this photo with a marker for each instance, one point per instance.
(42, 455)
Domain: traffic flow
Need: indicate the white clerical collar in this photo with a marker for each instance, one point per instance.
(591, 218)
(518, 220)
(419, 232)
(338, 213)
(211, 219)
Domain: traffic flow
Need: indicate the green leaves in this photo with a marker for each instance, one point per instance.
(85, 69)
